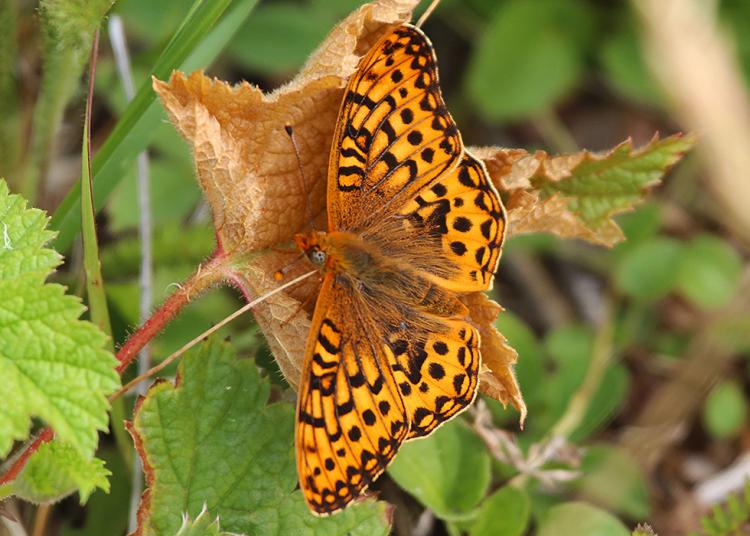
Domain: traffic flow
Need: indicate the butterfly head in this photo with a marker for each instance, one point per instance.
(311, 245)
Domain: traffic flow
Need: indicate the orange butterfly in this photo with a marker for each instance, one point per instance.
(413, 222)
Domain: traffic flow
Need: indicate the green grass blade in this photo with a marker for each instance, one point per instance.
(97, 299)
(198, 38)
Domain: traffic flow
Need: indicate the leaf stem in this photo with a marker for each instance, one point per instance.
(45, 436)
(210, 273)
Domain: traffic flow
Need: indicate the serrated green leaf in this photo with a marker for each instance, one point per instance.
(578, 519)
(710, 271)
(600, 186)
(56, 470)
(504, 513)
(448, 472)
(213, 440)
(529, 56)
(53, 365)
(203, 525)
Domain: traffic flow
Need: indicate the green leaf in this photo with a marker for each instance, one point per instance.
(203, 525)
(56, 470)
(214, 441)
(710, 271)
(448, 472)
(53, 365)
(504, 513)
(528, 58)
(650, 270)
(612, 478)
(725, 410)
(638, 226)
(602, 185)
(580, 519)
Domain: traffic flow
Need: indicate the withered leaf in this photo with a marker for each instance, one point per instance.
(577, 195)
(498, 357)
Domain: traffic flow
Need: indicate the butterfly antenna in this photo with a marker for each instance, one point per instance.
(427, 13)
(303, 182)
(124, 389)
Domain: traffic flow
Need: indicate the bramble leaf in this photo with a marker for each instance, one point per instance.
(202, 525)
(576, 195)
(213, 440)
(55, 471)
(53, 365)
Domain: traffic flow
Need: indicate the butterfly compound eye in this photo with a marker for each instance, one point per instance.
(317, 256)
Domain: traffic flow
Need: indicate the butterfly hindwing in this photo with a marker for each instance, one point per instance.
(464, 211)
(350, 416)
(394, 132)
(437, 373)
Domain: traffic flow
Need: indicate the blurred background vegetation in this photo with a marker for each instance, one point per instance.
(664, 435)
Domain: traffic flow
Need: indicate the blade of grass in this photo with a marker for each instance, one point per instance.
(97, 298)
(197, 42)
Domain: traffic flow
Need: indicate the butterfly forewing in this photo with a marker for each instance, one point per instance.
(393, 134)
(462, 209)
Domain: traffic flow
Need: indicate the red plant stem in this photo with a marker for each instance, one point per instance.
(45, 436)
(207, 274)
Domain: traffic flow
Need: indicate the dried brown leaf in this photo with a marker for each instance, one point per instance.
(498, 357)
(576, 195)
(249, 172)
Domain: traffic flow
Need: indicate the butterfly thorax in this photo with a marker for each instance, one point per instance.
(377, 274)
(342, 252)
